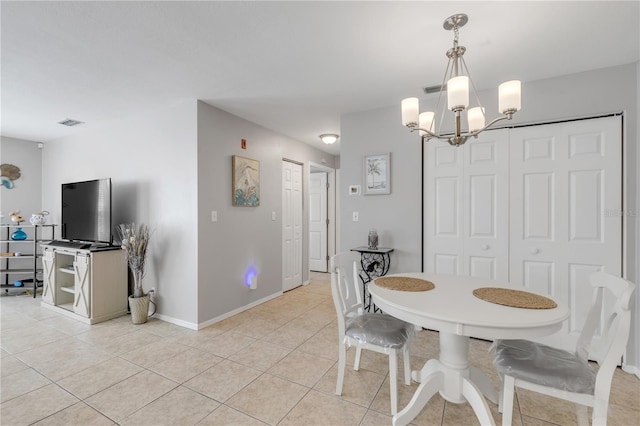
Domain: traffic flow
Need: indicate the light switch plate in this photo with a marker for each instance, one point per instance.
(214, 216)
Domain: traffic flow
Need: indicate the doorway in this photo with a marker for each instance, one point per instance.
(322, 223)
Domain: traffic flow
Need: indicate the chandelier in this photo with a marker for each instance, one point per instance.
(457, 79)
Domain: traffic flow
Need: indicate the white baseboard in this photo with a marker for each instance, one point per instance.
(212, 321)
(200, 326)
(176, 321)
(631, 369)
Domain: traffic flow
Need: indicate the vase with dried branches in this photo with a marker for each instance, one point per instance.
(135, 241)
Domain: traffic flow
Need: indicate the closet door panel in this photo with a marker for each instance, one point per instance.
(486, 205)
(443, 209)
(466, 206)
(564, 178)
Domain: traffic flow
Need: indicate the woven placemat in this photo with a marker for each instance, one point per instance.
(514, 298)
(405, 284)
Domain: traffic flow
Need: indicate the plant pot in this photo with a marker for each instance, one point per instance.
(139, 309)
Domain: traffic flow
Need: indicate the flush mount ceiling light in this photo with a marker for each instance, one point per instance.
(329, 138)
(457, 80)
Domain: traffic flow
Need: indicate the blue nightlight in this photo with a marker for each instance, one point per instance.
(250, 277)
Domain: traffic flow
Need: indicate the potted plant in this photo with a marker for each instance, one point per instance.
(135, 241)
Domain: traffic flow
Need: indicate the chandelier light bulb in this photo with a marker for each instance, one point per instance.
(410, 108)
(509, 94)
(475, 118)
(458, 92)
(426, 121)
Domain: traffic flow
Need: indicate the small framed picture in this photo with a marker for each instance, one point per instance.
(377, 174)
(245, 181)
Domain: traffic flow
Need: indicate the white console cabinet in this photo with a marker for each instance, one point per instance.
(89, 285)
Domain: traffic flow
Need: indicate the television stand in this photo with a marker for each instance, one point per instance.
(70, 244)
(86, 284)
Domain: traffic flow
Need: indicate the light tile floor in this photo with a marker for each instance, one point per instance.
(274, 364)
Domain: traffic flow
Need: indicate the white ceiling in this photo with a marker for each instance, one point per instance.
(293, 67)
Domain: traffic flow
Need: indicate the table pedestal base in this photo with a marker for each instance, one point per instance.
(454, 379)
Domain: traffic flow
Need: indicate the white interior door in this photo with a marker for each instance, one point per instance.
(565, 177)
(291, 225)
(466, 207)
(318, 222)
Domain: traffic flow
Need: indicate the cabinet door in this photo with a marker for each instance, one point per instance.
(82, 297)
(49, 277)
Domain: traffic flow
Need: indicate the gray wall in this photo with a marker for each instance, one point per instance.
(152, 163)
(170, 169)
(398, 215)
(635, 337)
(26, 192)
(242, 237)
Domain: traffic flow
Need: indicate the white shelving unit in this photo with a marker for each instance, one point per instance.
(26, 266)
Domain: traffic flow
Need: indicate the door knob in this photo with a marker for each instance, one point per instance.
(485, 247)
(535, 251)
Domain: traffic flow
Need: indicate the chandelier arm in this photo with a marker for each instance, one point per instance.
(429, 135)
(494, 121)
(413, 128)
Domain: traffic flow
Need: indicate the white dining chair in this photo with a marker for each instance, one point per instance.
(376, 332)
(568, 375)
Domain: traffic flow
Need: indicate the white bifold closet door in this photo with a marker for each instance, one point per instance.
(566, 188)
(537, 206)
(467, 207)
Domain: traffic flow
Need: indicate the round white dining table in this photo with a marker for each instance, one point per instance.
(452, 309)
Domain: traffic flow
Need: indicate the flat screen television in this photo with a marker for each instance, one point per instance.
(86, 211)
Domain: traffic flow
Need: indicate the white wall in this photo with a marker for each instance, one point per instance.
(398, 215)
(243, 236)
(152, 162)
(25, 194)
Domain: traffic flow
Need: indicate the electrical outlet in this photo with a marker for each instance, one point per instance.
(214, 216)
(356, 216)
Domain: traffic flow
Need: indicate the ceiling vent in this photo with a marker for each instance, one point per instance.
(434, 89)
(70, 122)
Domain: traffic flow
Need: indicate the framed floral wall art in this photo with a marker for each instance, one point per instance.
(377, 174)
(246, 181)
